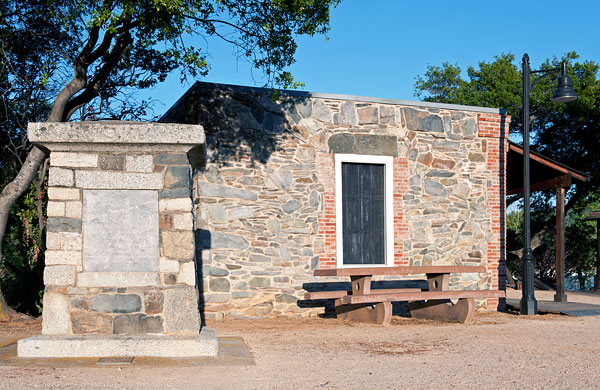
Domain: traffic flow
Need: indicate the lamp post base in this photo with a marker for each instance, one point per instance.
(528, 307)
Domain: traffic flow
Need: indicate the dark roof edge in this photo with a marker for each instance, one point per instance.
(567, 168)
(355, 98)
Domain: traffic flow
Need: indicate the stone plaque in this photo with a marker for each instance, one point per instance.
(120, 231)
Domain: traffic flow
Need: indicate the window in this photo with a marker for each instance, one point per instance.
(364, 210)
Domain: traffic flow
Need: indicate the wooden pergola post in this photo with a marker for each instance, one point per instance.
(597, 277)
(595, 216)
(560, 295)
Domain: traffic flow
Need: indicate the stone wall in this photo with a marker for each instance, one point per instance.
(120, 241)
(265, 199)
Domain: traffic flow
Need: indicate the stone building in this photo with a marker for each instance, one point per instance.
(428, 179)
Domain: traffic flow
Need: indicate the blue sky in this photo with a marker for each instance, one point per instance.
(377, 48)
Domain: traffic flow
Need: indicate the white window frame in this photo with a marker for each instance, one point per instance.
(388, 162)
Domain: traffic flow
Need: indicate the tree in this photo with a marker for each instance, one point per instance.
(564, 132)
(81, 59)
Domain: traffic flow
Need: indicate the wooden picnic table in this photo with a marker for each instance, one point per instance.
(374, 305)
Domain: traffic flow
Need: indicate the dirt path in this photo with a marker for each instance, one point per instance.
(499, 351)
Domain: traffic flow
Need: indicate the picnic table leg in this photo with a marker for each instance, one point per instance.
(380, 313)
(442, 309)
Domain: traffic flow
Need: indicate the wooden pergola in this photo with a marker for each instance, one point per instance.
(595, 216)
(546, 174)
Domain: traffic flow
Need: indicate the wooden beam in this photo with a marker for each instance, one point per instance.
(549, 163)
(563, 181)
(421, 296)
(401, 270)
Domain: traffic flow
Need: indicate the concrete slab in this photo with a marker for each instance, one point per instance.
(580, 304)
(573, 309)
(232, 352)
(75, 346)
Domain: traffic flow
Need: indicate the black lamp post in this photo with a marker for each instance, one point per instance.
(564, 93)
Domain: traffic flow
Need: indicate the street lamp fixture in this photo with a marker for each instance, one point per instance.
(564, 93)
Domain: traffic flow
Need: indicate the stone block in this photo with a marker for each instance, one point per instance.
(134, 324)
(54, 257)
(239, 212)
(217, 213)
(56, 318)
(81, 303)
(116, 303)
(259, 310)
(378, 145)
(321, 112)
(217, 298)
(187, 273)
(84, 322)
(281, 178)
(182, 221)
(117, 279)
(121, 230)
(259, 258)
(75, 160)
(73, 209)
(167, 265)
(118, 180)
(387, 114)
(94, 346)
(434, 188)
(219, 285)
(181, 204)
(55, 193)
(109, 162)
(177, 176)
(214, 271)
(138, 133)
(60, 177)
(348, 114)
(177, 244)
(213, 190)
(55, 209)
(368, 115)
(423, 121)
(153, 302)
(259, 282)
(57, 224)
(176, 193)
(180, 311)
(286, 298)
(141, 163)
(170, 159)
(59, 275)
(273, 225)
(66, 241)
(291, 205)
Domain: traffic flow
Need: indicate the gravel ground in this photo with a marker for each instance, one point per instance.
(498, 351)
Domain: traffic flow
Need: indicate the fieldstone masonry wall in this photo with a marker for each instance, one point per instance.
(265, 199)
(120, 242)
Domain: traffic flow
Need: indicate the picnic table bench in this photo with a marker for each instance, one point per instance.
(374, 305)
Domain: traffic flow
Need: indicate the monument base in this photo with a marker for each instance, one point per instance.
(74, 346)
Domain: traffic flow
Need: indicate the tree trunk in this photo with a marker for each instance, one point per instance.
(6, 312)
(581, 277)
(8, 197)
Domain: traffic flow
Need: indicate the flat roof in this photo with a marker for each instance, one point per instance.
(333, 96)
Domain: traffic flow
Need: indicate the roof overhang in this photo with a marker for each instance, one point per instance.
(545, 173)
